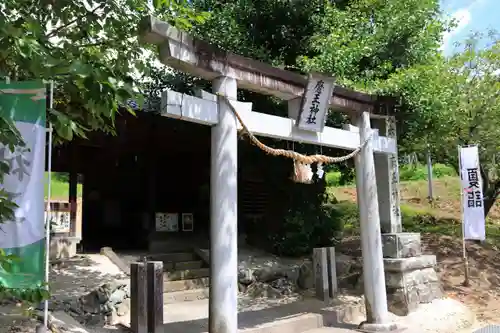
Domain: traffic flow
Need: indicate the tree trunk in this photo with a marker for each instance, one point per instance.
(488, 204)
(490, 195)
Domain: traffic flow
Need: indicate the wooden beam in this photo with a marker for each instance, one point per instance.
(205, 111)
(191, 55)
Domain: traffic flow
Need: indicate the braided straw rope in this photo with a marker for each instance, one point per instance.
(305, 159)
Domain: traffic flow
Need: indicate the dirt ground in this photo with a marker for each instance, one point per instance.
(483, 294)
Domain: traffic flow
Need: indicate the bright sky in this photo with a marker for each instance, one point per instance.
(472, 16)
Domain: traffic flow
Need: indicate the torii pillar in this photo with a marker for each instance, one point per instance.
(223, 300)
(227, 70)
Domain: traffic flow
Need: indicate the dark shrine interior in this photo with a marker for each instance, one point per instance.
(157, 164)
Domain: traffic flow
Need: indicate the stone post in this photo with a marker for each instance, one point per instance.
(410, 277)
(154, 271)
(325, 273)
(138, 291)
(373, 266)
(387, 174)
(223, 301)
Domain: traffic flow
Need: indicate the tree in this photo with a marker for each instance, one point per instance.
(456, 101)
(363, 41)
(90, 51)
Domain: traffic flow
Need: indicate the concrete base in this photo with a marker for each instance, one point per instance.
(63, 247)
(369, 327)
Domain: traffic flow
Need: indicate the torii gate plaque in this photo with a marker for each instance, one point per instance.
(228, 72)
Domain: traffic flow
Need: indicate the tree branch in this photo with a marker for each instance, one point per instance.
(57, 30)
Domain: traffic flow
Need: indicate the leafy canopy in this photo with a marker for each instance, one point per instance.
(90, 51)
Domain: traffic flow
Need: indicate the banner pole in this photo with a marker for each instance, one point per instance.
(465, 258)
(47, 219)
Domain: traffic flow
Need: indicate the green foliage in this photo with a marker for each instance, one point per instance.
(442, 170)
(60, 186)
(451, 102)
(406, 173)
(362, 41)
(276, 32)
(91, 51)
(92, 54)
(419, 172)
(333, 178)
(304, 229)
(311, 220)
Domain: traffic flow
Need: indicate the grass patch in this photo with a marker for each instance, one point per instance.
(446, 203)
(419, 172)
(59, 187)
(414, 220)
(406, 173)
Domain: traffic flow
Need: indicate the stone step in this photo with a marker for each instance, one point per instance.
(186, 274)
(180, 285)
(182, 265)
(185, 296)
(174, 257)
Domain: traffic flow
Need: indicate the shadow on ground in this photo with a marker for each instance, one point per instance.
(77, 276)
(260, 318)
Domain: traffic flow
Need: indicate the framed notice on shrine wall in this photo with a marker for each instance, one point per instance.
(168, 222)
(472, 194)
(315, 103)
(187, 222)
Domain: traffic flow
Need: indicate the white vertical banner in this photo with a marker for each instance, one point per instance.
(472, 194)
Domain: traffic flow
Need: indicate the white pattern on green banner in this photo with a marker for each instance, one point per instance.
(24, 103)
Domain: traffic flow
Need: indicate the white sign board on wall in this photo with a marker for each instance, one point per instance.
(168, 222)
(472, 194)
(315, 103)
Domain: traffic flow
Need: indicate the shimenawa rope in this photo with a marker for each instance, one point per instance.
(305, 159)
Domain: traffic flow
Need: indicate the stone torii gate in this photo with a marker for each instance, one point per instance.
(376, 174)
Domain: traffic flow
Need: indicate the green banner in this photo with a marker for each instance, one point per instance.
(24, 104)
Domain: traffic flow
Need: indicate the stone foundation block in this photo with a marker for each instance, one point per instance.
(402, 301)
(407, 264)
(410, 282)
(401, 245)
(410, 278)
